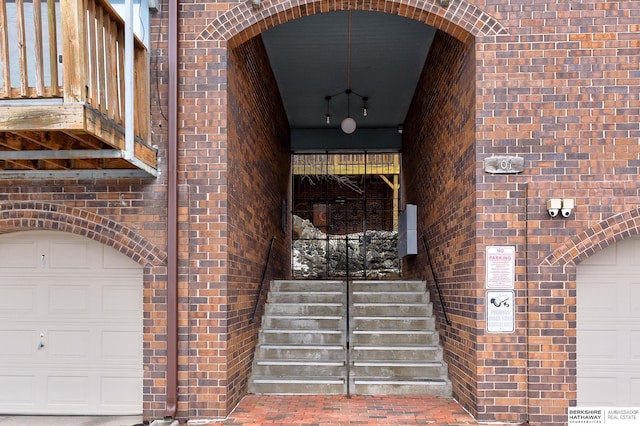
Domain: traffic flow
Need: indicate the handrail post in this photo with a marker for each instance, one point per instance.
(74, 55)
(264, 272)
(435, 280)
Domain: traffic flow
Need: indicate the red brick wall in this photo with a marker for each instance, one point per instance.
(259, 164)
(438, 170)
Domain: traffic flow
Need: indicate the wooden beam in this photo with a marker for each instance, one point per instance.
(60, 154)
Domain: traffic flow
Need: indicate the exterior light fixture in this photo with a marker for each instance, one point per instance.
(444, 3)
(256, 4)
(348, 125)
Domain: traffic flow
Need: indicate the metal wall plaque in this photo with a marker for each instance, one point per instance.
(504, 164)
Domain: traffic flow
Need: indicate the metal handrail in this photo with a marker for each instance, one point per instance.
(348, 308)
(264, 272)
(435, 279)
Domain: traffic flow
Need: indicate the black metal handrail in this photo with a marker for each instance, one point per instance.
(435, 279)
(264, 273)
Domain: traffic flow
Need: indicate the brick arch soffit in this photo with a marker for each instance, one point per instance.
(469, 21)
(592, 240)
(27, 216)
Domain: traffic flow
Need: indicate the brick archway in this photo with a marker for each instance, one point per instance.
(596, 238)
(242, 22)
(22, 216)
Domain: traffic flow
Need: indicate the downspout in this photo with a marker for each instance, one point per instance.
(172, 217)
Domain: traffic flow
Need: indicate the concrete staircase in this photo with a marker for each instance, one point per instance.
(392, 346)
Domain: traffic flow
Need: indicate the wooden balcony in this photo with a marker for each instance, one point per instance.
(63, 104)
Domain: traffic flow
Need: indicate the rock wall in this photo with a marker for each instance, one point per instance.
(319, 255)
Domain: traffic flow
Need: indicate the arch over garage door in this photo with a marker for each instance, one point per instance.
(21, 216)
(242, 22)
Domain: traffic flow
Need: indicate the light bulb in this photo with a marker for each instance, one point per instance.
(348, 125)
(364, 111)
(328, 117)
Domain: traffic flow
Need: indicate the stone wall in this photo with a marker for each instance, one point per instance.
(373, 254)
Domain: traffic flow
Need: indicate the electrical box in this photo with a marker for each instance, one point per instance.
(408, 231)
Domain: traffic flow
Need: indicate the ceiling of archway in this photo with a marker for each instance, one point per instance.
(309, 57)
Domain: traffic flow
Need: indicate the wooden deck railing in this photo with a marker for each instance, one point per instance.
(72, 50)
(347, 164)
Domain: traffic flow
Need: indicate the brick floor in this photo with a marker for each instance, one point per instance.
(325, 410)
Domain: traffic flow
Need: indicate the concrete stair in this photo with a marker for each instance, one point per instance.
(302, 344)
(393, 347)
(394, 343)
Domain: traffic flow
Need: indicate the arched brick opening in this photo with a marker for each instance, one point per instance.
(33, 215)
(461, 20)
(236, 30)
(22, 216)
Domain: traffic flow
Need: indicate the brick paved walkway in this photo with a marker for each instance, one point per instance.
(324, 410)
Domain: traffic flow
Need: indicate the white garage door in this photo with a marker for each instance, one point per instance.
(70, 326)
(608, 327)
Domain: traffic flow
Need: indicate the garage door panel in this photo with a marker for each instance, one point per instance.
(119, 391)
(634, 297)
(19, 343)
(601, 391)
(86, 300)
(634, 345)
(18, 255)
(608, 327)
(598, 296)
(16, 298)
(75, 255)
(634, 391)
(120, 300)
(120, 346)
(68, 390)
(68, 344)
(598, 344)
(69, 299)
(17, 390)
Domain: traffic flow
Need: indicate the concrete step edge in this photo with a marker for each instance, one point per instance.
(397, 364)
(396, 348)
(310, 317)
(382, 381)
(299, 331)
(332, 347)
(300, 362)
(291, 380)
(410, 332)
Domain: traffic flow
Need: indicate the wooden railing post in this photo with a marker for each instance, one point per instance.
(74, 55)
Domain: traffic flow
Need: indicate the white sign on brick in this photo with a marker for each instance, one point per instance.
(501, 311)
(501, 262)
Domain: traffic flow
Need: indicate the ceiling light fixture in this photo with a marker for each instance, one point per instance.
(348, 125)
